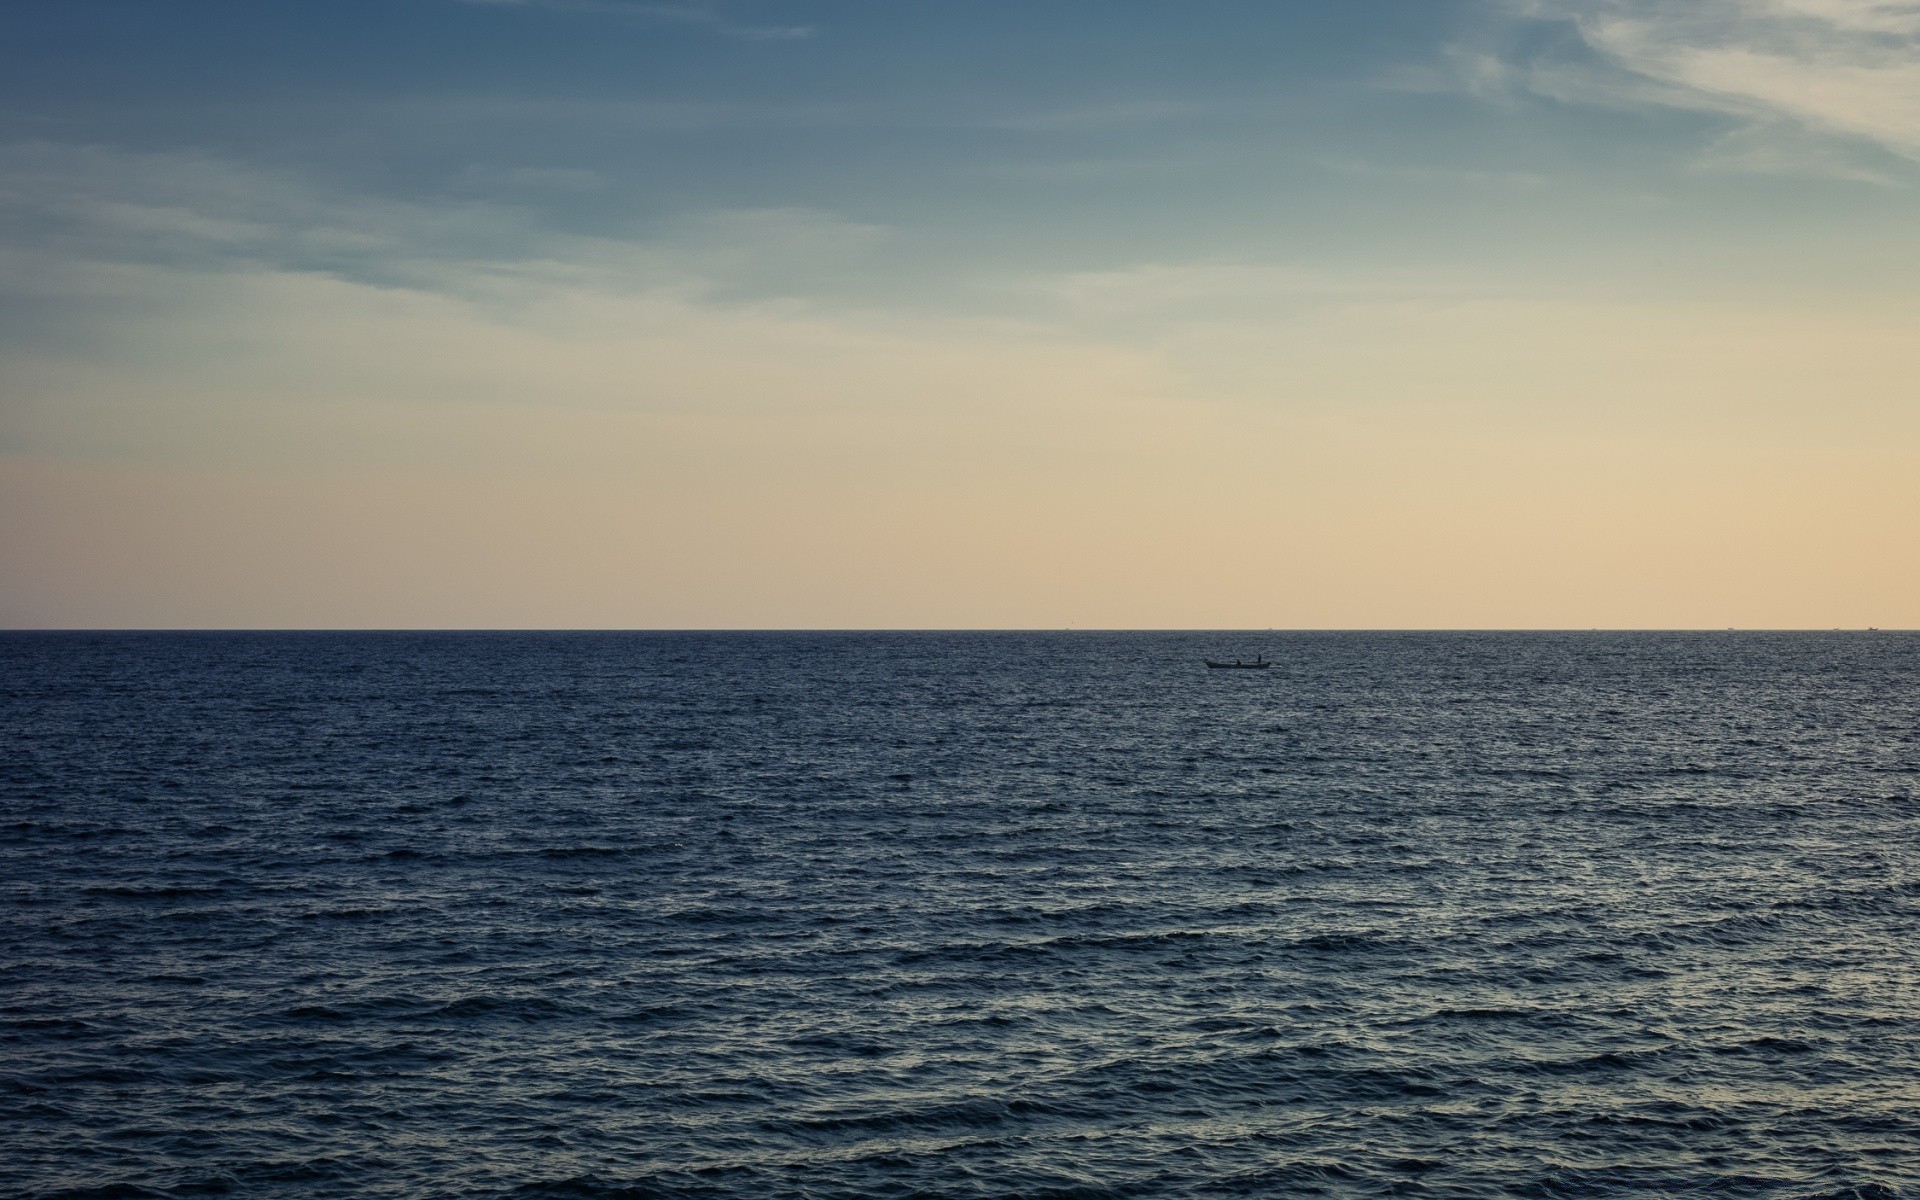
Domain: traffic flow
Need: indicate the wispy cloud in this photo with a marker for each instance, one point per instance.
(1102, 116)
(1783, 148)
(77, 223)
(1849, 68)
(686, 14)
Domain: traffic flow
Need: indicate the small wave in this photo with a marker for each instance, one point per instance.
(523, 1008)
(347, 914)
(589, 1188)
(317, 1170)
(1491, 1013)
(99, 1075)
(108, 1191)
(52, 1027)
(1769, 1045)
(317, 1012)
(163, 892)
(976, 1113)
(1606, 1061)
(1338, 943)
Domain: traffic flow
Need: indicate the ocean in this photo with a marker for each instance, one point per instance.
(971, 915)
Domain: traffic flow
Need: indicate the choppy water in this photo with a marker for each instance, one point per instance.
(960, 915)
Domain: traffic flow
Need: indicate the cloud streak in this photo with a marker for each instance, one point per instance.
(707, 18)
(1838, 67)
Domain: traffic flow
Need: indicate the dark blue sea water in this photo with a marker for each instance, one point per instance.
(959, 915)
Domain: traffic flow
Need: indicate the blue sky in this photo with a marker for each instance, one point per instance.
(720, 260)
(1070, 134)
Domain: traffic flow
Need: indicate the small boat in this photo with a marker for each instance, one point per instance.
(1258, 664)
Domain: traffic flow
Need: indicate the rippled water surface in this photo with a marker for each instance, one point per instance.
(960, 915)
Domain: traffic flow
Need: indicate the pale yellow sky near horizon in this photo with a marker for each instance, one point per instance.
(302, 451)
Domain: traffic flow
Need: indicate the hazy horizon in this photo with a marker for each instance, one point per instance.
(836, 314)
(902, 629)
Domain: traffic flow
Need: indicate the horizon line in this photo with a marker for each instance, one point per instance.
(29, 629)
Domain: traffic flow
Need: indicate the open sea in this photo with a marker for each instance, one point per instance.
(969, 915)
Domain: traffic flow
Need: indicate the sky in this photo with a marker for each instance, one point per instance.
(960, 314)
